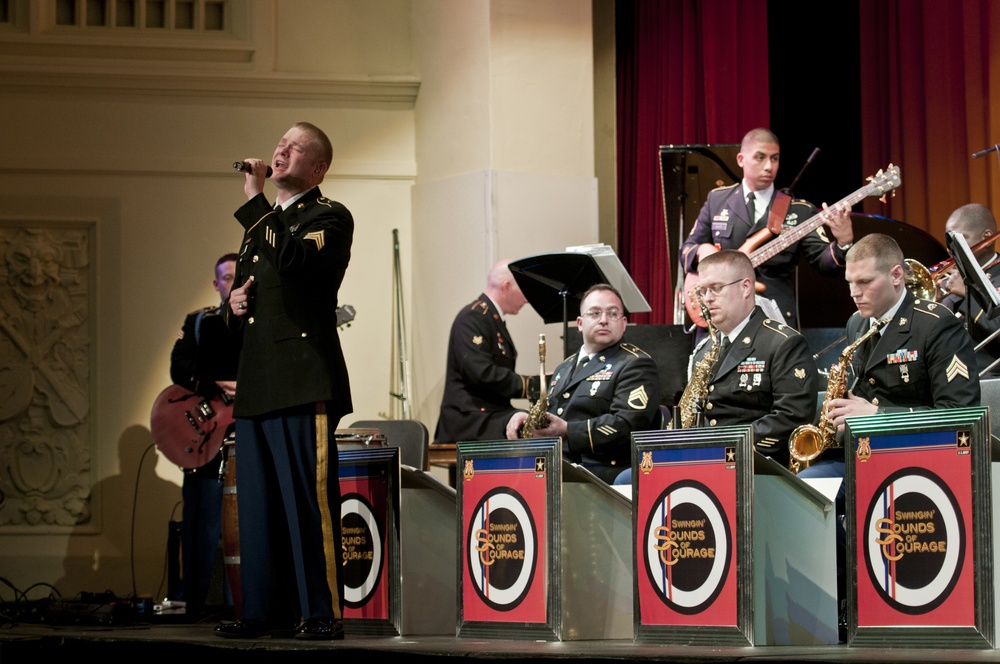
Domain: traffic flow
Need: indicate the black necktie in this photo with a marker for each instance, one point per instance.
(723, 351)
(579, 366)
(751, 208)
(864, 352)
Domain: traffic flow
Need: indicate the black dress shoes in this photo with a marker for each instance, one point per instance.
(328, 629)
(252, 629)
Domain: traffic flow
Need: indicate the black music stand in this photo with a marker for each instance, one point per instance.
(552, 283)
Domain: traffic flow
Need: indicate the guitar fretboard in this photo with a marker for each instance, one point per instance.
(792, 235)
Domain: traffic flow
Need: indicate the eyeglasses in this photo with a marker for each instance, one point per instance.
(595, 314)
(714, 290)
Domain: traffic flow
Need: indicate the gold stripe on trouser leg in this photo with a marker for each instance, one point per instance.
(323, 495)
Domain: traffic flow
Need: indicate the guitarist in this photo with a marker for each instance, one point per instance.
(204, 360)
(727, 220)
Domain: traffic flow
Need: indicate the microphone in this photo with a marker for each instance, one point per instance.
(244, 167)
(983, 153)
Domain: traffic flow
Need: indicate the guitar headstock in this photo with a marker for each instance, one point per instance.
(884, 182)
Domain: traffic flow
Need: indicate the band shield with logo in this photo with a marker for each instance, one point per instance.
(506, 499)
(688, 530)
(919, 529)
(370, 541)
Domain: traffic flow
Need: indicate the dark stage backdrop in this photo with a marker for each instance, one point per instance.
(868, 82)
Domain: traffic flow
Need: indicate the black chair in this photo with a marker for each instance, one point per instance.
(410, 436)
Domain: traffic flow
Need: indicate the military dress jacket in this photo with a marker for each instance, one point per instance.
(480, 379)
(768, 378)
(205, 351)
(725, 221)
(615, 393)
(291, 353)
(923, 359)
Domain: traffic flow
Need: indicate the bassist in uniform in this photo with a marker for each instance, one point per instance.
(727, 220)
(204, 360)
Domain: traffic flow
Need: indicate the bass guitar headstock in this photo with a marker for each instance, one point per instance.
(884, 182)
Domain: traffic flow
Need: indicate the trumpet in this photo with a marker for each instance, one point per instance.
(930, 283)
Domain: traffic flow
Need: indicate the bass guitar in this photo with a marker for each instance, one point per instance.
(189, 429)
(764, 245)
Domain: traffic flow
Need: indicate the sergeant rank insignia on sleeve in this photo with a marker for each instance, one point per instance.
(638, 398)
(957, 368)
(318, 237)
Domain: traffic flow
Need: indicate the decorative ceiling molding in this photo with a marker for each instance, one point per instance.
(400, 91)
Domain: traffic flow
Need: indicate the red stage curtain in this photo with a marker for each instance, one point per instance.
(930, 79)
(689, 72)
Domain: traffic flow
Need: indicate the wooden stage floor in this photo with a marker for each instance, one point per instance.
(163, 642)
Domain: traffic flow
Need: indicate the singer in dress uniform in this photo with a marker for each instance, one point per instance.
(293, 390)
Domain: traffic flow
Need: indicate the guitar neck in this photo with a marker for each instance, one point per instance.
(794, 234)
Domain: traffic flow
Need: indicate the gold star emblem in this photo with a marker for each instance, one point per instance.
(478, 340)
(800, 373)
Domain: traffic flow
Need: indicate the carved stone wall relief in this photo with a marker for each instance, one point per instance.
(45, 365)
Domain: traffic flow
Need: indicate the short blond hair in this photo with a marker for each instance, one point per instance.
(882, 248)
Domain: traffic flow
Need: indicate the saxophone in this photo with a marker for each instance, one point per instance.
(809, 441)
(538, 416)
(697, 388)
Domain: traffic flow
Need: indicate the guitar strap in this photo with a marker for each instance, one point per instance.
(779, 208)
(197, 327)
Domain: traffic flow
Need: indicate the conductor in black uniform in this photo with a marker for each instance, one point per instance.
(293, 391)
(727, 219)
(599, 396)
(480, 379)
(764, 374)
(204, 360)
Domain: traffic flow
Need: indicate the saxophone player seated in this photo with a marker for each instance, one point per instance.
(764, 374)
(599, 396)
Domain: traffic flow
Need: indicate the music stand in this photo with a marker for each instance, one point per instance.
(552, 283)
(976, 282)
